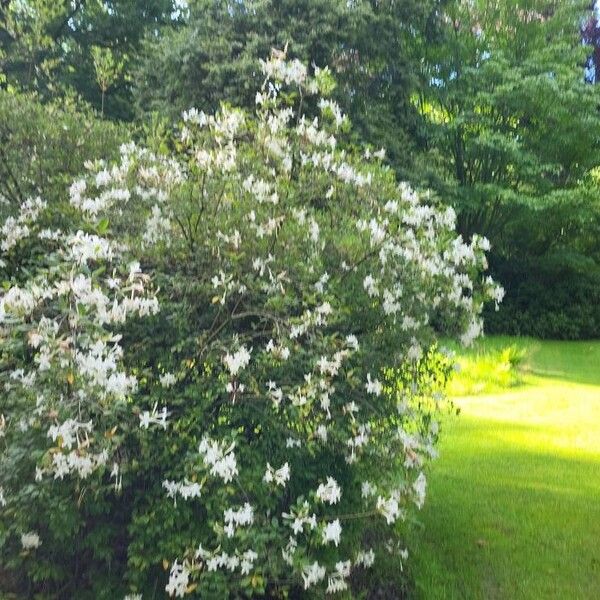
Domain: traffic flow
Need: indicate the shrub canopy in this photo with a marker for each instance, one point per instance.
(223, 360)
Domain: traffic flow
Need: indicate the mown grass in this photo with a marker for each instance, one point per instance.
(513, 508)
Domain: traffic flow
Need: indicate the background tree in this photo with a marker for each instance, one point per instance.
(371, 46)
(44, 145)
(512, 140)
(48, 43)
(108, 69)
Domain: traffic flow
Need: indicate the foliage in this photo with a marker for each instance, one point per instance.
(44, 146)
(219, 410)
(48, 44)
(371, 47)
(557, 297)
(513, 133)
(485, 368)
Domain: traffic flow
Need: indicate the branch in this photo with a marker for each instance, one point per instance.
(78, 5)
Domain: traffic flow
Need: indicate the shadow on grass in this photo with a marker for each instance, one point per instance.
(576, 362)
(504, 521)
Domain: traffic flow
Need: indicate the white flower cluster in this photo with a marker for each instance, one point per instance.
(298, 517)
(336, 581)
(329, 492)
(99, 365)
(238, 360)
(79, 462)
(278, 351)
(365, 559)
(220, 458)
(389, 508)
(419, 487)
(280, 69)
(277, 476)
(330, 107)
(17, 228)
(70, 432)
(313, 574)
(244, 561)
(332, 532)
(167, 380)
(373, 386)
(186, 489)
(242, 517)
(154, 418)
(179, 579)
(30, 540)
(86, 247)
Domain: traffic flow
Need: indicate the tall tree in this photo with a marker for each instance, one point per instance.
(513, 131)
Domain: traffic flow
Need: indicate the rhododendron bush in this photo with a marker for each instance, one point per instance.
(219, 361)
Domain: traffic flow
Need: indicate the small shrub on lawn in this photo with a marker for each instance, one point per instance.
(482, 370)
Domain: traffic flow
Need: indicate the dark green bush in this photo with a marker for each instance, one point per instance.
(550, 298)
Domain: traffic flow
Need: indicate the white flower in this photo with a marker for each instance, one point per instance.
(373, 387)
(336, 582)
(473, 331)
(185, 489)
(238, 360)
(388, 508)
(15, 229)
(194, 116)
(30, 541)
(366, 559)
(247, 561)
(320, 285)
(158, 227)
(282, 352)
(332, 532)
(242, 517)
(279, 476)
(312, 574)
(179, 578)
(329, 492)
(219, 458)
(69, 432)
(278, 69)
(352, 342)
(85, 247)
(380, 154)
(419, 487)
(155, 418)
(167, 380)
(321, 433)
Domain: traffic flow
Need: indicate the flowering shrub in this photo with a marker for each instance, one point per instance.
(252, 409)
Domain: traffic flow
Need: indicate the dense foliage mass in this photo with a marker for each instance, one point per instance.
(490, 104)
(44, 146)
(513, 130)
(204, 356)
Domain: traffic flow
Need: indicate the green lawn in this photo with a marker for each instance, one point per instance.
(513, 507)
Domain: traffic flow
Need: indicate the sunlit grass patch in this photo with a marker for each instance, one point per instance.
(514, 501)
